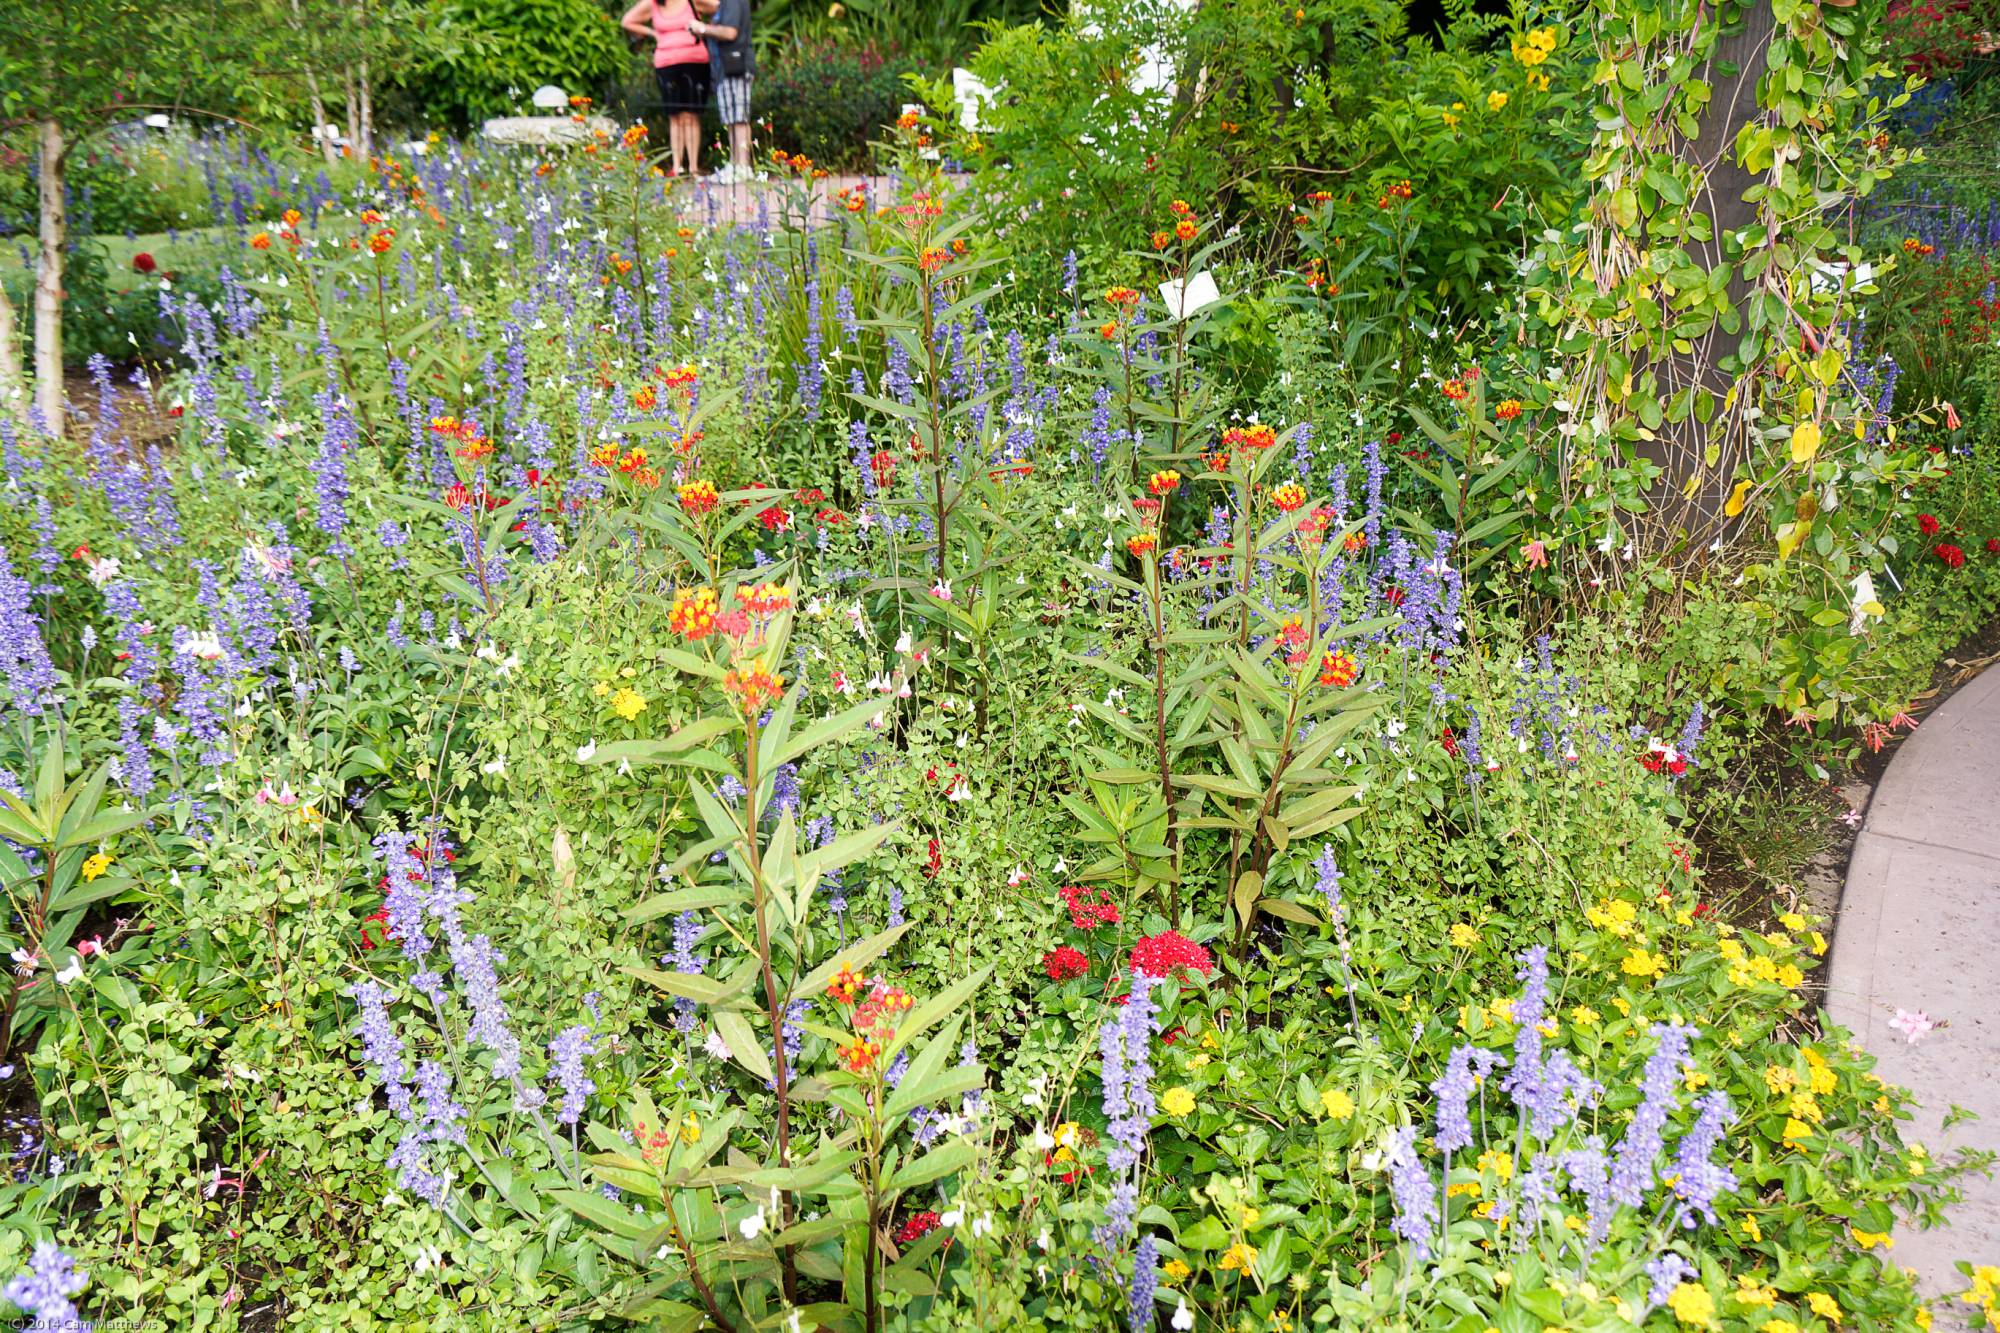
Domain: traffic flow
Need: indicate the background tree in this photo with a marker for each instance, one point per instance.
(69, 68)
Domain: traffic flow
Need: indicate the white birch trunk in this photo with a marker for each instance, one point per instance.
(49, 280)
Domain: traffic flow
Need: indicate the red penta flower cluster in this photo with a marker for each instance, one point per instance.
(1089, 908)
(916, 1227)
(1170, 953)
(1928, 524)
(1661, 757)
(1063, 962)
(1950, 556)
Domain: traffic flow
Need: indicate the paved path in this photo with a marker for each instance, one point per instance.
(1916, 931)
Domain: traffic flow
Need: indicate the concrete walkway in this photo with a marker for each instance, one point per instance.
(1916, 931)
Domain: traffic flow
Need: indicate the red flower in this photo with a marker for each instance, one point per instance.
(1993, 546)
(143, 263)
(936, 862)
(1087, 912)
(916, 1227)
(380, 917)
(1928, 524)
(1949, 554)
(1169, 952)
(774, 519)
(1063, 962)
(1450, 743)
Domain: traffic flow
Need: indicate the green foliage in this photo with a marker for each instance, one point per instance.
(831, 99)
(508, 48)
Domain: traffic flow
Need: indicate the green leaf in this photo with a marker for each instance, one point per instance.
(686, 900)
(933, 1165)
(690, 985)
(854, 955)
(595, 1208)
(828, 730)
(742, 1043)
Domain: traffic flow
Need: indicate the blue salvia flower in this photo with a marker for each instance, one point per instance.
(43, 1290)
(1410, 1187)
(1632, 1172)
(381, 1046)
(31, 675)
(566, 1055)
(1453, 1090)
(1698, 1181)
(1145, 1282)
(1125, 1049)
(1667, 1272)
(1589, 1176)
(473, 960)
(1690, 738)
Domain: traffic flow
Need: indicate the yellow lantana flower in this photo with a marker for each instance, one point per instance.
(1239, 1257)
(1692, 1305)
(1177, 1102)
(1175, 1270)
(1463, 936)
(1868, 1240)
(1824, 1306)
(1641, 963)
(628, 703)
(1336, 1104)
(97, 865)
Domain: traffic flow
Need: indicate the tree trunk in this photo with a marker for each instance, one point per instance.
(12, 404)
(317, 102)
(367, 140)
(353, 107)
(49, 280)
(1693, 491)
(319, 117)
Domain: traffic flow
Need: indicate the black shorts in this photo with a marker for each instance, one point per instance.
(684, 88)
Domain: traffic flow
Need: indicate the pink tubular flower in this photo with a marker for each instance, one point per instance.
(1913, 1024)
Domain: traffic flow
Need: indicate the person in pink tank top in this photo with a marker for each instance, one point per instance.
(680, 67)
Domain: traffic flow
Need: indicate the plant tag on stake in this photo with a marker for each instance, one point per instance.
(1198, 294)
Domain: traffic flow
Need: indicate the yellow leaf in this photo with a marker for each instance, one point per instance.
(1735, 505)
(1805, 441)
(1789, 537)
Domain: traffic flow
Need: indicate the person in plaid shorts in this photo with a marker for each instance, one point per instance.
(726, 26)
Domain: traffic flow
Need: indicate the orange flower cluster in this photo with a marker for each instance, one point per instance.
(933, 259)
(1164, 483)
(1289, 496)
(1913, 246)
(1258, 436)
(1354, 543)
(765, 599)
(647, 398)
(1338, 670)
(693, 613)
(874, 1019)
(1122, 296)
(382, 240)
(472, 446)
(753, 688)
(846, 985)
(853, 199)
(1141, 542)
(1508, 409)
(909, 120)
(1400, 190)
(698, 497)
(1454, 390)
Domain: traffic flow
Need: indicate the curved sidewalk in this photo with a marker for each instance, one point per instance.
(1916, 931)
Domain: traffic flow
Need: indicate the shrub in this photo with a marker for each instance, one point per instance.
(508, 48)
(830, 99)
